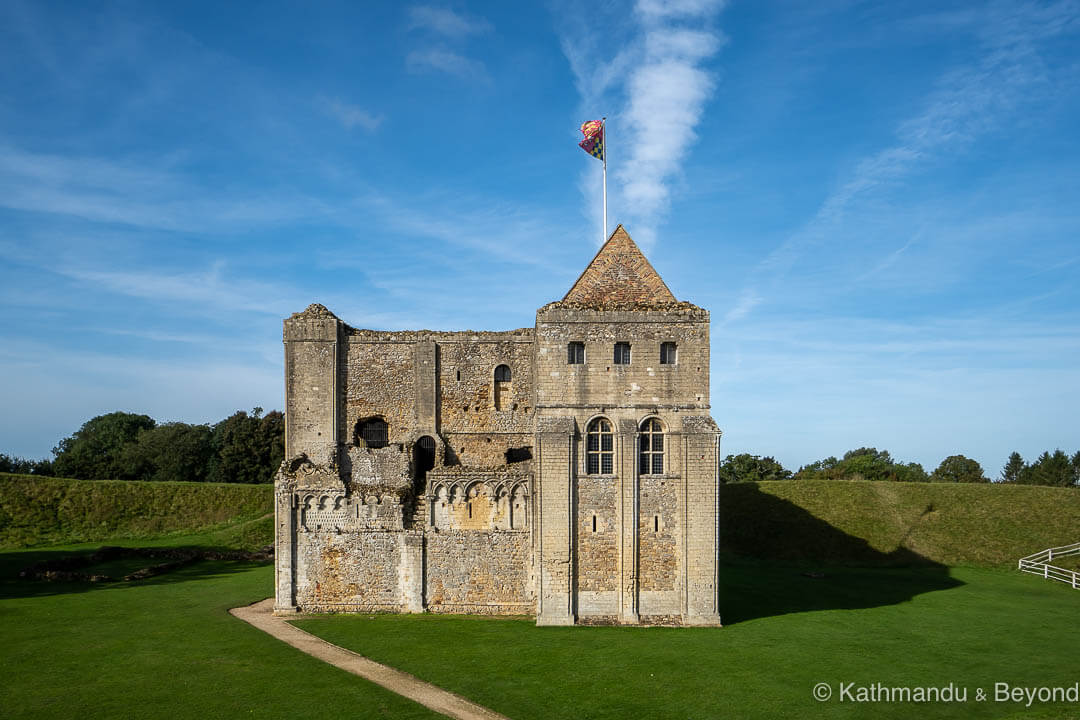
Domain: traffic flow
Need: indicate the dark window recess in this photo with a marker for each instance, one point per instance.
(668, 353)
(651, 448)
(599, 448)
(372, 433)
(520, 454)
(423, 460)
(622, 353)
(502, 387)
(575, 353)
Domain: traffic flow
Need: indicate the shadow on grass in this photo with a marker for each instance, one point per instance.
(779, 559)
(13, 562)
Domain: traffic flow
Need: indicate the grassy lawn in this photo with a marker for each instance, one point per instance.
(163, 647)
(785, 633)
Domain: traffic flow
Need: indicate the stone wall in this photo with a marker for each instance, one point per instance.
(352, 571)
(484, 572)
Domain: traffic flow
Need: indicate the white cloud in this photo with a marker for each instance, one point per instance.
(661, 84)
(352, 116)
(445, 61)
(445, 22)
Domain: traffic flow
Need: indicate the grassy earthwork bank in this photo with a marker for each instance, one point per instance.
(822, 582)
(38, 511)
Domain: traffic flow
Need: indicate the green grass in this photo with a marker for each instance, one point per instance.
(891, 523)
(887, 610)
(785, 633)
(163, 647)
(44, 511)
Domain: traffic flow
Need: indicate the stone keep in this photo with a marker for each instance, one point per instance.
(566, 471)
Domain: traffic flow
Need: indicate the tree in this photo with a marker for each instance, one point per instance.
(957, 468)
(248, 448)
(95, 451)
(1014, 469)
(863, 463)
(1055, 469)
(172, 451)
(751, 468)
(23, 466)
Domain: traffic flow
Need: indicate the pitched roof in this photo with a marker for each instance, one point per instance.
(619, 275)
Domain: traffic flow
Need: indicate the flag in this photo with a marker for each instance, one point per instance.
(593, 130)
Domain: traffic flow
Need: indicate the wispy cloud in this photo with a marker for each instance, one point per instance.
(210, 289)
(968, 103)
(446, 61)
(151, 194)
(446, 57)
(446, 22)
(351, 116)
(661, 83)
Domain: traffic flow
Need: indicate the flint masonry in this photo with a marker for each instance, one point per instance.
(566, 471)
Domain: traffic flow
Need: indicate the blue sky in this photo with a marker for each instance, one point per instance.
(877, 201)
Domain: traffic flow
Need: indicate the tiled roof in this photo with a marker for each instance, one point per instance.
(619, 275)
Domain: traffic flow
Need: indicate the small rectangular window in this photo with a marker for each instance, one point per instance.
(575, 353)
(667, 353)
(622, 353)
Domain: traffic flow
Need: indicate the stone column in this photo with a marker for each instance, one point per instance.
(629, 521)
(703, 530)
(554, 522)
(284, 550)
(411, 572)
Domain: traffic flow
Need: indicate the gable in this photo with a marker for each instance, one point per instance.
(619, 275)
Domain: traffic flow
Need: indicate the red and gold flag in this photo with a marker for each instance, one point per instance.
(593, 130)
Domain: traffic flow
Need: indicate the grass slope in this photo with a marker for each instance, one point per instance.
(889, 523)
(41, 511)
(971, 627)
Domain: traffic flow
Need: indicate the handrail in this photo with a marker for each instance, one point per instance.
(1039, 564)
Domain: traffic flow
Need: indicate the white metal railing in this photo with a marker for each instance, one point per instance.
(1039, 564)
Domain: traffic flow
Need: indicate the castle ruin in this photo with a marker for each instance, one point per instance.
(566, 471)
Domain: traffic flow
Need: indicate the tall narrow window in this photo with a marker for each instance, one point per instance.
(622, 353)
(651, 448)
(599, 448)
(502, 387)
(667, 353)
(575, 353)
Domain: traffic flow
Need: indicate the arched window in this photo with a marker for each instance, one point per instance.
(651, 448)
(502, 387)
(372, 433)
(599, 448)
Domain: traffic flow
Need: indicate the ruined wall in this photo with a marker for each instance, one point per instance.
(485, 572)
(355, 571)
(380, 382)
(311, 361)
(477, 430)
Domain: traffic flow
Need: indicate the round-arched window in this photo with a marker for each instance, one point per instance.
(651, 448)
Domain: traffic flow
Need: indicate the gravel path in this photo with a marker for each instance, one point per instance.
(442, 701)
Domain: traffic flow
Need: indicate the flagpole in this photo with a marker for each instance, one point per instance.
(603, 136)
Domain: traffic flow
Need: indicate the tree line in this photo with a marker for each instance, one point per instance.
(1057, 469)
(242, 448)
